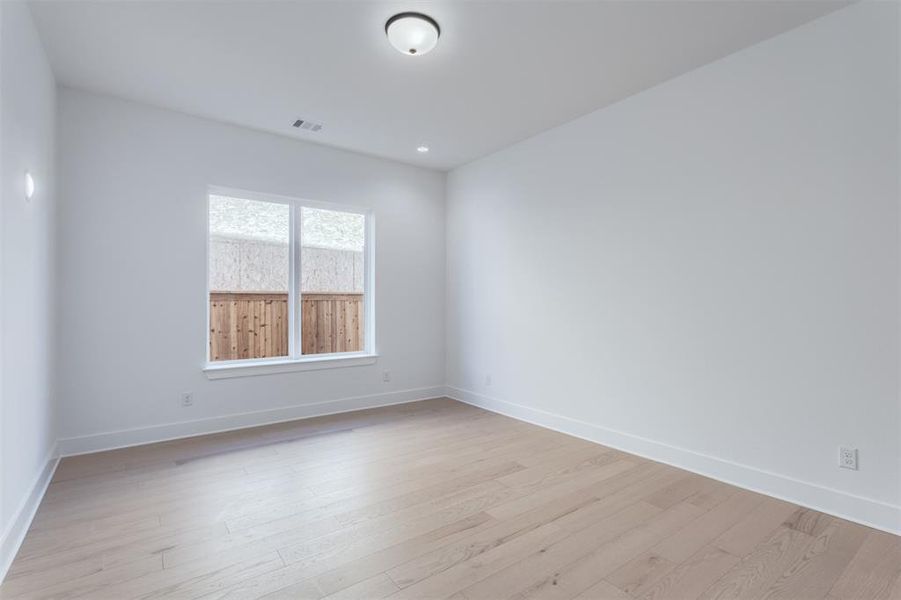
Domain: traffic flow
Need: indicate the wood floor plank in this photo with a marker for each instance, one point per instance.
(603, 590)
(349, 570)
(559, 489)
(757, 526)
(873, 570)
(677, 491)
(374, 588)
(808, 521)
(303, 590)
(539, 569)
(190, 580)
(637, 576)
(569, 514)
(751, 577)
(390, 529)
(94, 583)
(693, 576)
(374, 501)
(462, 574)
(895, 591)
(708, 527)
(590, 568)
(447, 556)
(434, 499)
(329, 573)
(813, 574)
(283, 583)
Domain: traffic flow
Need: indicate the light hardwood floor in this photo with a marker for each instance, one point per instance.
(429, 500)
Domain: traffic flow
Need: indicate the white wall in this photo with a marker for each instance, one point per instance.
(129, 345)
(27, 121)
(706, 272)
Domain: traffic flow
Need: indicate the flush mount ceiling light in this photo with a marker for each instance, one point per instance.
(422, 149)
(412, 33)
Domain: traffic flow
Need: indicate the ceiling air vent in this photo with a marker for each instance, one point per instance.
(307, 125)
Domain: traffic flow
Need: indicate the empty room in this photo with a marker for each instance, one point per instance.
(460, 299)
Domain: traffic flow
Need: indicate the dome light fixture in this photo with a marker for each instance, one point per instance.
(422, 149)
(412, 33)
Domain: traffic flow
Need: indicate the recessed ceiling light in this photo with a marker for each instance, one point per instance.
(422, 149)
(29, 186)
(412, 33)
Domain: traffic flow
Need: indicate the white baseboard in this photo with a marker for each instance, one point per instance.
(160, 433)
(866, 511)
(12, 538)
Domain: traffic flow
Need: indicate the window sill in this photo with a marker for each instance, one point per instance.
(250, 368)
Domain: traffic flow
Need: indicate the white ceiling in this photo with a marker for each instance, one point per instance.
(502, 71)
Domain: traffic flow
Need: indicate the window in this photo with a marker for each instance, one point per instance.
(288, 281)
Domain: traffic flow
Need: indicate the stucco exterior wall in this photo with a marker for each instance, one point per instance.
(241, 265)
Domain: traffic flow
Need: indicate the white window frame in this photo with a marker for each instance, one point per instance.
(295, 361)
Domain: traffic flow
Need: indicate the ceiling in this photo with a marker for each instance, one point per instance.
(502, 70)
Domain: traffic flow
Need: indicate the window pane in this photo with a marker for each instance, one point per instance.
(332, 281)
(248, 278)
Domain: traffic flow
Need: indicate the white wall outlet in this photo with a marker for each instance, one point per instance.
(847, 458)
(386, 376)
(488, 380)
(187, 399)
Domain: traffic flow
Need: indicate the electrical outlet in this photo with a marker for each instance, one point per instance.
(847, 458)
(488, 380)
(187, 399)
(386, 376)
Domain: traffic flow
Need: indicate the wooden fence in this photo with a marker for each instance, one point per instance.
(255, 325)
(331, 323)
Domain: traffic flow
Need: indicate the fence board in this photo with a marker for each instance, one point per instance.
(255, 325)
